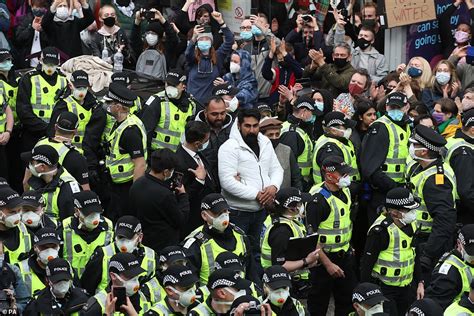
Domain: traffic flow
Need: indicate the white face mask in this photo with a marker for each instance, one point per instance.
(48, 69)
(221, 222)
(232, 105)
(466, 257)
(37, 174)
(185, 298)
(79, 93)
(90, 221)
(236, 294)
(151, 39)
(234, 67)
(279, 297)
(412, 151)
(346, 133)
(172, 92)
(344, 181)
(373, 310)
(131, 286)
(126, 245)
(11, 220)
(204, 146)
(62, 13)
(30, 219)
(408, 217)
(47, 255)
(61, 288)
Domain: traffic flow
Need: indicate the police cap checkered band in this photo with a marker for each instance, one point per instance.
(116, 265)
(115, 97)
(305, 104)
(417, 311)
(170, 279)
(469, 122)
(222, 283)
(426, 143)
(468, 118)
(42, 158)
(334, 122)
(401, 201)
(356, 297)
(222, 92)
(291, 199)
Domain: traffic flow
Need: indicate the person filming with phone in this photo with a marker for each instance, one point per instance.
(160, 201)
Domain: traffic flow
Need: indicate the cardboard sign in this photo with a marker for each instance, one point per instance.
(406, 12)
(233, 12)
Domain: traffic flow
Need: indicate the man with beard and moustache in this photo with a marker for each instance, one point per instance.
(249, 174)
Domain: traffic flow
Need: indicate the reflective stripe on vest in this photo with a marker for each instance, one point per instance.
(465, 271)
(202, 310)
(33, 283)
(24, 245)
(394, 165)
(453, 144)
(9, 94)
(83, 117)
(161, 310)
(157, 293)
(304, 160)
(51, 198)
(43, 95)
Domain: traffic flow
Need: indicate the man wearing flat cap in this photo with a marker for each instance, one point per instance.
(433, 181)
(126, 148)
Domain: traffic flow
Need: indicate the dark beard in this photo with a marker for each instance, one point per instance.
(252, 141)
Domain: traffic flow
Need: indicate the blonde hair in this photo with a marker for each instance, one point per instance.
(425, 79)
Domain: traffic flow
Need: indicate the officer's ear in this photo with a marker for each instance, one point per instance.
(204, 216)
(140, 237)
(357, 308)
(169, 292)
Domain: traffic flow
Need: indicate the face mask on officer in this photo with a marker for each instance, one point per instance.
(172, 92)
(32, 218)
(49, 69)
(346, 133)
(466, 257)
(412, 151)
(61, 288)
(408, 217)
(232, 104)
(47, 254)
(184, 298)
(79, 93)
(6, 65)
(131, 286)
(90, 221)
(127, 245)
(376, 309)
(11, 220)
(220, 222)
(278, 297)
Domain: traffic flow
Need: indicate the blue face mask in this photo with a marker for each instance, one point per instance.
(246, 35)
(204, 46)
(395, 115)
(312, 119)
(6, 65)
(414, 72)
(256, 31)
(319, 105)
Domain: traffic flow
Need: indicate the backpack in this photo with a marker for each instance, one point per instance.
(152, 63)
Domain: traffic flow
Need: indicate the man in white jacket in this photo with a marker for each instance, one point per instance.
(249, 173)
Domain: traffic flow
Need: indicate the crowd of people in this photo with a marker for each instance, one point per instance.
(279, 169)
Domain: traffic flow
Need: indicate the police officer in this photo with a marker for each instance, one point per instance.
(452, 276)
(329, 214)
(294, 135)
(215, 236)
(180, 285)
(126, 154)
(367, 299)
(124, 270)
(434, 183)
(426, 307)
(85, 231)
(46, 244)
(60, 297)
(15, 235)
(277, 285)
(37, 93)
(7, 121)
(167, 113)
(390, 256)
(465, 306)
(284, 223)
(65, 127)
(460, 156)
(228, 93)
(335, 142)
(123, 78)
(128, 238)
(50, 179)
(385, 150)
(32, 214)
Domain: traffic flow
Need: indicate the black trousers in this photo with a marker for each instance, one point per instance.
(16, 167)
(119, 201)
(323, 285)
(400, 298)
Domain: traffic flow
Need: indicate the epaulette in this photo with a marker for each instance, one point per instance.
(439, 176)
(237, 229)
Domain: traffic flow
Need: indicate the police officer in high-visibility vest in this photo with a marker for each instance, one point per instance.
(215, 236)
(167, 113)
(60, 297)
(50, 179)
(70, 158)
(453, 274)
(7, 121)
(390, 253)
(46, 243)
(85, 231)
(425, 306)
(124, 270)
(123, 78)
(37, 93)
(384, 151)
(128, 237)
(285, 222)
(463, 307)
(277, 285)
(336, 142)
(433, 181)
(32, 212)
(180, 285)
(329, 214)
(15, 235)
(367, 299)
(294, 134)
(126, 148)
(460, 156)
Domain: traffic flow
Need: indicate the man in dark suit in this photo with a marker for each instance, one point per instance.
(198, 176)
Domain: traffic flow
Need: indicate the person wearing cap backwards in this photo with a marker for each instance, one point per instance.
(294, 134)
(329, 214)
(124, 270)
(390, 256)
(46, 243)
(179, 283)
(15, 235)
(167, 113)
(277, 284)
(433, 181)
(367, 300)
(60, 297)
(384, 151)
(126, 148)
(335, 142)
(284, 223)
(32, 212)
(228, 93)
(460, 156)
(271, 128)
(453, 274)
(463, 307)
(426, 307)
(49, 178)
(217, 235)
(225, 287)
(70, 157)
(86, 230)
(37, 92)
(128, 238)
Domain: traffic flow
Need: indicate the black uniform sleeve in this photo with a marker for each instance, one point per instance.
(462, 162)
(76, 165)
(377, 240)
(65, 199)
(24, 110)
(131, 142)
(445, 285)
(193, 252)
(278, 240)
(440, 204)
(151, 116)
(92, 275)
(329, 149)
(92, 308)
(296, 178)
(87, 20)
(317, 211)
(294, 141)
(445, 32)
(59, 108)
(92, 137)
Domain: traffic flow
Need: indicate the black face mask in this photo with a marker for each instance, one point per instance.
(340, 62)
(363, 43)
(123, 3)
(275, 142)
(109, 21)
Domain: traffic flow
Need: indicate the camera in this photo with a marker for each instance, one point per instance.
(253, 309)
(307, 18)
(147, 14)
(176, 180)
(345, 14)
